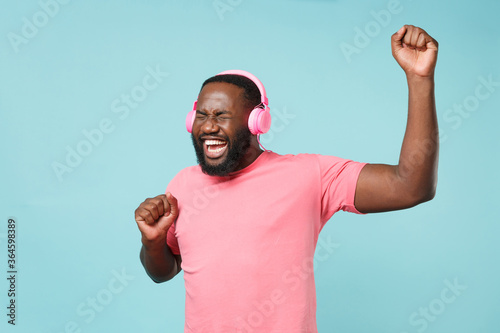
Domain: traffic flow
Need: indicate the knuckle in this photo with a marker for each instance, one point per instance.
(144, 203)
(152, 206)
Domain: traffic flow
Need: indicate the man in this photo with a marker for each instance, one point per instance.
(243, 225)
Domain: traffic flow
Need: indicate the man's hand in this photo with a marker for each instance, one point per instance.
(415, 51)
(154, 217)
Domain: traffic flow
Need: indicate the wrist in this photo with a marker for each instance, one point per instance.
(418, 79)
(153, 247)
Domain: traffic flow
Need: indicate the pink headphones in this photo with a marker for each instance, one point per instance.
(259, 121)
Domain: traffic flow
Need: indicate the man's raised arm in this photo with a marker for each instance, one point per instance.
(382, 187)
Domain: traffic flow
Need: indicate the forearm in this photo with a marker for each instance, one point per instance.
(159, 262)
(418, 161)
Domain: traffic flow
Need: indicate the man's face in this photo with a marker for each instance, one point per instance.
(220, 132)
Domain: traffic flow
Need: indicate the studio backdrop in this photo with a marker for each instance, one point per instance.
(93, 99)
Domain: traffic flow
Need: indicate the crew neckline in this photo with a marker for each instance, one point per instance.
(259, 160)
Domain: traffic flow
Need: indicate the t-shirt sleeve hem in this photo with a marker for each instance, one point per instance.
(349, 206)
(172, 241)
(174, 250)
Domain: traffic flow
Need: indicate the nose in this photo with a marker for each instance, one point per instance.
(210, 125)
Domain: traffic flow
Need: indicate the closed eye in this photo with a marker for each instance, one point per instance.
(200, 115)
(222, 115)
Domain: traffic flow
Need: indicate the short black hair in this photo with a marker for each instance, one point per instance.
(251, 91)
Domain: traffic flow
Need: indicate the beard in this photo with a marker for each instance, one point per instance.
(237, 149)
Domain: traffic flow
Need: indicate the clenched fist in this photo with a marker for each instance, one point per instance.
(154, 217)
(415, 51)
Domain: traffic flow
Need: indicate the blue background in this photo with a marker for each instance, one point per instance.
(76, 230)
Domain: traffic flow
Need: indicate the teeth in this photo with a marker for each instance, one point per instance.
(215, 150)
(214, 142)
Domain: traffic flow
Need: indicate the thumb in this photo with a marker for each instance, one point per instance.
(397, 37)
(174, 209)
(171, 212)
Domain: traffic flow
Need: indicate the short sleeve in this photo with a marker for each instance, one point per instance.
(171, 238)
(338, 185)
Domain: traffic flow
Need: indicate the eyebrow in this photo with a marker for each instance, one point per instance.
(216, 113)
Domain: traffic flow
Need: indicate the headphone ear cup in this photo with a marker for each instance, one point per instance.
(190, 117)
(253, 121)
(190, 120)
(264, 121)
(259, 121)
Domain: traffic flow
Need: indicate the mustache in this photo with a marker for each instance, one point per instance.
(201, 137)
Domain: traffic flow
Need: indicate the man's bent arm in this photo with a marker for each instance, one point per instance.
(383, 187)
(154, 218)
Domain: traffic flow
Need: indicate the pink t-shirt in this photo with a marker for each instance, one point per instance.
(247, 240)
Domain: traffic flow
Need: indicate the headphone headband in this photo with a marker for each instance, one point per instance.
(263, 95)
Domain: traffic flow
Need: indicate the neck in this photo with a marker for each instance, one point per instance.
(251, 155)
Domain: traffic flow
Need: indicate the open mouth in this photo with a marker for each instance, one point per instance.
(214, 148)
